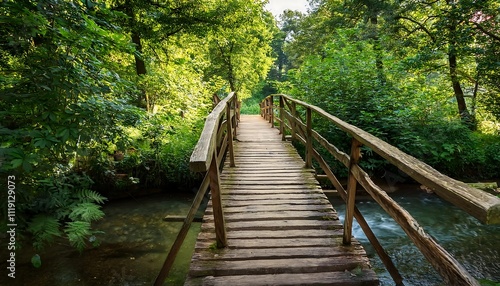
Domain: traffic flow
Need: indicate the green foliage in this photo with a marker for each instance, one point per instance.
(250, 106)
(239, 49)
(67, 83)
(44, 229)
(62, 201)
(36, 260)
(407, 110)
(78, 232)
(486, 282)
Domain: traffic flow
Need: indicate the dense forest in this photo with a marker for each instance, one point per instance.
(101, 97)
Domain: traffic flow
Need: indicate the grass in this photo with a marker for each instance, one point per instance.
(250, 106)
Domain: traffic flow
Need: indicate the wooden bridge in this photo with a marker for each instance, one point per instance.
(268, 221)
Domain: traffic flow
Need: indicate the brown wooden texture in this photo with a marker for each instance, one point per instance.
(217, 212)
(351, 191)
(204, 149)
(279, 223)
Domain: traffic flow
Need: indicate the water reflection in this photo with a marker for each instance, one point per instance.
(133, 247)
(475, 246)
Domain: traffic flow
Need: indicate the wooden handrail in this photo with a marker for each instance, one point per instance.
(207, 156)
(203, 151)
(483, 206)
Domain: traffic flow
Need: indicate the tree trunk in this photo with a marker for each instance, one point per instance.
(455, 81)
(379, 64)
(140, 66)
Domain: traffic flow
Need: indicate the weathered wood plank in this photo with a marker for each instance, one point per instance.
(274, 207)
(344, 278)
(283, 182)
(275, 197)
(276, 242)
(275, 189)
(274, 266)
(275, 215)
(284, 233)
(268, 173)
(274, 253)
(286, 201)
(277, 225)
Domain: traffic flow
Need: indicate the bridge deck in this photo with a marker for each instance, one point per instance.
(281, 228)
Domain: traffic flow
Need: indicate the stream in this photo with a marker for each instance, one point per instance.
(134, 244)
(474, 245)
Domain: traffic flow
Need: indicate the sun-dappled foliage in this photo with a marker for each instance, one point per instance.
(399, 70)
(102, 97)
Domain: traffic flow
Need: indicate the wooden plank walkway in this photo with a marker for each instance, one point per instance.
(281, 228)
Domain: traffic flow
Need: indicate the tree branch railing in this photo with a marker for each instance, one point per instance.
(215, 142)
(483, 206)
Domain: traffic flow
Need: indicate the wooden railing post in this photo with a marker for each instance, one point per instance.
(282, 118)
(267, 108)
(237, 107)
(229, 120)
(351, 191)
(271, 110)
(220, 226)
(293, 126)
(309, 138)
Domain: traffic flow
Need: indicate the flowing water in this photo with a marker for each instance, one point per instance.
(133, 247)
(474, 245)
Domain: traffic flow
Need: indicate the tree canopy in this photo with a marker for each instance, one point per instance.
(419, 74)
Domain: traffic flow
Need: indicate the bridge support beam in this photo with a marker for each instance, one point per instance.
(220, 225)
(351, 191)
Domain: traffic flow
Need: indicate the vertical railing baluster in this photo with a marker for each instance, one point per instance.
(266, 106)
(220, 226)
(282, 118)
(229, 120)
(292, 122)
(351, 191)
(271, 110)
(309, 139)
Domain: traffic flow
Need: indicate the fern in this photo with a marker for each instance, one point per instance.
(87, 195)
(86, 212)
(77, 232)
(44, 229)
(66, 197)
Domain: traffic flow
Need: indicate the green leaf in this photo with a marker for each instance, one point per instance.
(77, 231)
(44, 229)
(36, 261)
(86, 212)
(63, 134)
(16, 163)
(27, 166)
